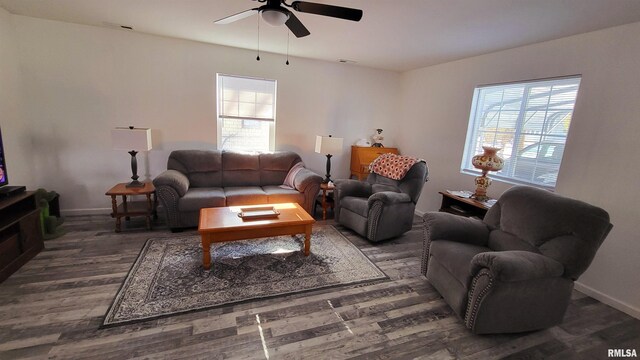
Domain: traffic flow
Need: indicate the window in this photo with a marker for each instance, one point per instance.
(246, 113)
(529, 121)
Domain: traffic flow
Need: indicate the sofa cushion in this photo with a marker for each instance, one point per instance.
(355, 204)
(274, 167)
(203, 168)
(245, 195)
(240, 169)
(276, 195)
(456, 258)
(198, 198)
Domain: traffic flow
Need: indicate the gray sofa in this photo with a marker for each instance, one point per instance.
(380, 208)
(197, 179)
(514, 270)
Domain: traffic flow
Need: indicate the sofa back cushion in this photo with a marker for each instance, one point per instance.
(203, 168)
(240, 169)
(214, 168)
(274, 167)
(566, 230)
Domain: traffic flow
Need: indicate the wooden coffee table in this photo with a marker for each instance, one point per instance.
(223, 224)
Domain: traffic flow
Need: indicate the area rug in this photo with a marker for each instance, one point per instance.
(167, 278)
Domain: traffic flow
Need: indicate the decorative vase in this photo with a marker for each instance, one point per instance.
(487, 161)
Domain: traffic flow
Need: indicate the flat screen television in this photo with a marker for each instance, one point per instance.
(3, 165)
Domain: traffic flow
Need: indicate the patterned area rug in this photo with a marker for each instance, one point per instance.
(167, 277)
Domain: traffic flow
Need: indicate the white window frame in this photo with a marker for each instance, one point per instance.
(470, 148)
(220, 117)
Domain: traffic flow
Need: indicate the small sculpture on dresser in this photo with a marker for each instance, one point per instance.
(377, 138)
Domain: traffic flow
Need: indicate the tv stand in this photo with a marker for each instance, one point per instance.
(20, 232)
(7, 191)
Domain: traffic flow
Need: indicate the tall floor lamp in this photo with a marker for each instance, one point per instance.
(134, 140)
(329, 146)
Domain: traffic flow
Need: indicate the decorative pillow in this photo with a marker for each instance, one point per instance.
(288, 181)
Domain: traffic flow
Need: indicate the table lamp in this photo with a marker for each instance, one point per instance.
(487, 161)
(134, 140)
(329, 146)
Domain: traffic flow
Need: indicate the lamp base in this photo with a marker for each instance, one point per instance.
(135, 184)
(327, 176)
(482, 183)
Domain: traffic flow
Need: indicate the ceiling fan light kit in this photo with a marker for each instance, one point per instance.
(275, 17)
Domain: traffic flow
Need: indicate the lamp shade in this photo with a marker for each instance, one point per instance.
(328, 145)
(131, 138)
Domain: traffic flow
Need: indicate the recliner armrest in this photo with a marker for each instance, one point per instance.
(174, 179)
(510, 266)
(445, 226)
(350, 187)
(388, 198)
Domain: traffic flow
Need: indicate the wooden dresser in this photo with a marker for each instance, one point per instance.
(361, 157)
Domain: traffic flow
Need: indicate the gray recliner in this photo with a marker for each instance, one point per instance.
(514, 270)
(380, 208)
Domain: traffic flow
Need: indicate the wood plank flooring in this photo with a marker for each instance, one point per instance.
(52, 309)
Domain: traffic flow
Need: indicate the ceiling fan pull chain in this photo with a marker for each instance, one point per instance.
(287, 48)
(258, 57)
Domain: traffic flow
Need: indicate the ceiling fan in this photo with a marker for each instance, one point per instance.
(274, 13)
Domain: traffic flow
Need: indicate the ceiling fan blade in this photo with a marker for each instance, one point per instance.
(236, 17)
(296, 26)
(328, 10)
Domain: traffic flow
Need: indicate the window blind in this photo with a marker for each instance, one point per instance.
(246, 98)
(246, 113)
(529, 121)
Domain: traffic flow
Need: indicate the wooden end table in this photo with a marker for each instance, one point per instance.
(327, 201)
(223, 224)
(130, 208)
(463, 206)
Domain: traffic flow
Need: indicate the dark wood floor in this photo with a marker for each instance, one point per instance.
(53, 306)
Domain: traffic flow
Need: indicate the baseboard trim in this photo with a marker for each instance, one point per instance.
(94, 211)
(604, 298)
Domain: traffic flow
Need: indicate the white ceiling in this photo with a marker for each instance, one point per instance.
(396, 35)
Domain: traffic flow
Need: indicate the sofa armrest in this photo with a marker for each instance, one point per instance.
(445, 226)
(174, 179)
(510, 266)
(389, 198)
(304, 178)
(308, 183)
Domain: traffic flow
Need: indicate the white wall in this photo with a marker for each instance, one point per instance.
(13, 123)
(81, 81)
(600, 159)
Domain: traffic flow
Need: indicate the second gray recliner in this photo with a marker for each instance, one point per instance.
(380, 208)
(514, 270)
